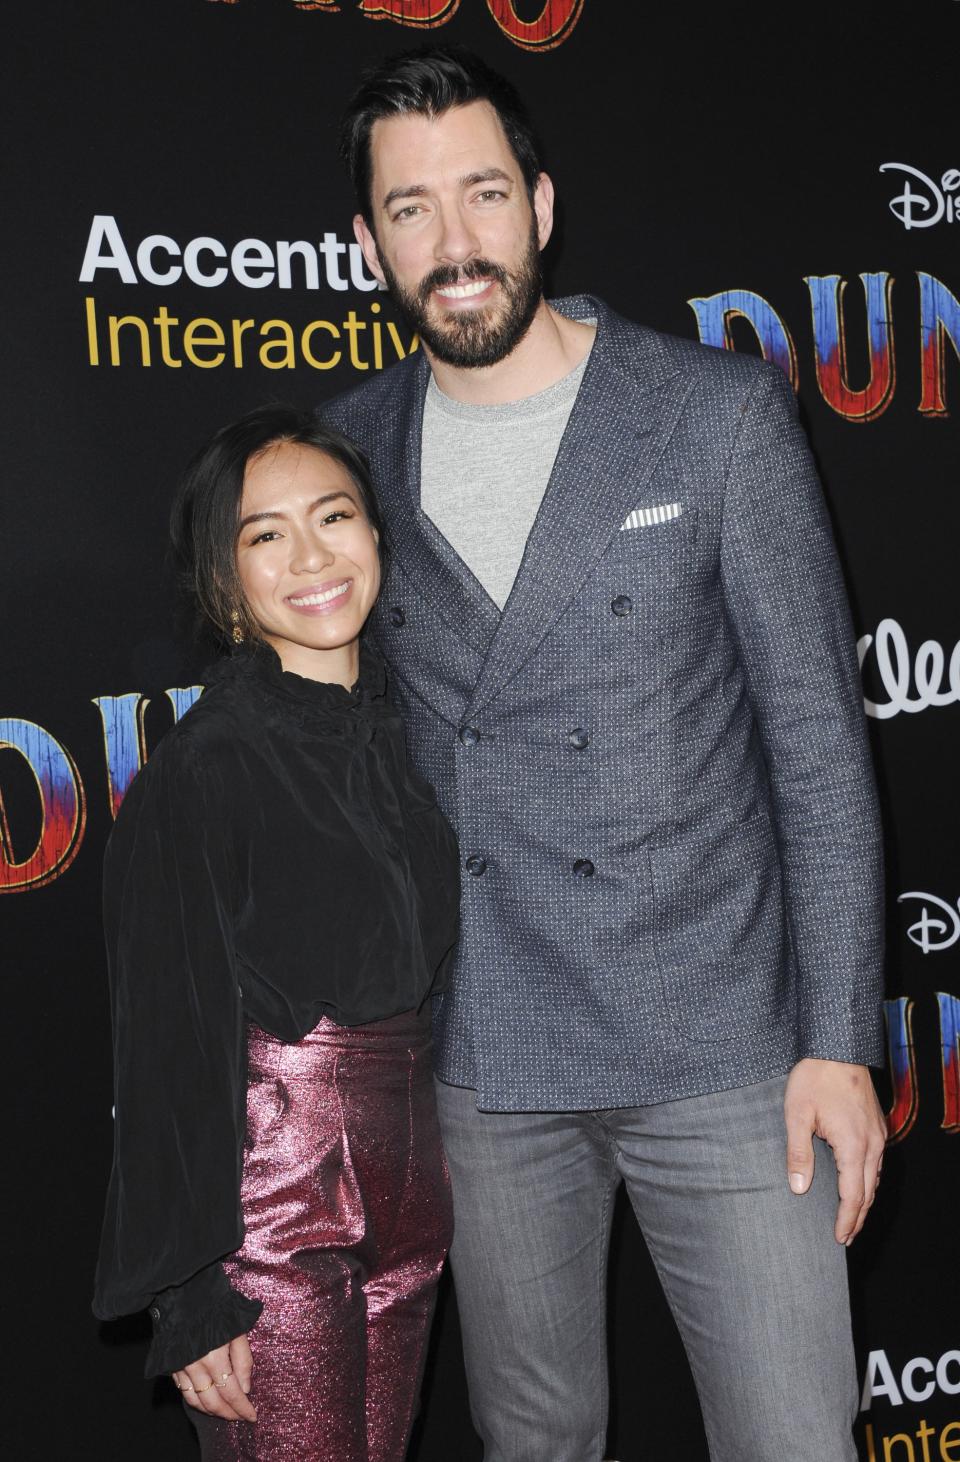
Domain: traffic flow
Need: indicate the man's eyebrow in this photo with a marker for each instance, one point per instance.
(407, 190)
(485, 175)
(328, 497)
(469, 180)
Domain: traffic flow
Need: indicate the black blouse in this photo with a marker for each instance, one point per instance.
(277, 859)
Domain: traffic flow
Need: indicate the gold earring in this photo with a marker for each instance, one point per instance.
(236, 632)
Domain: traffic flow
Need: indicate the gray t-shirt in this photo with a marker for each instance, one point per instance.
(484, 470)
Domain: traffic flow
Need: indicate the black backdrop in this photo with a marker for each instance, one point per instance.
(720, 172)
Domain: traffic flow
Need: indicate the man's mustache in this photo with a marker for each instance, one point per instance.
(446, 274)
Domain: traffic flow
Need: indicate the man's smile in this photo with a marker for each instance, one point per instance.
(464, 291)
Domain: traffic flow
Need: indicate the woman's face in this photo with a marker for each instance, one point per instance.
(307, 559)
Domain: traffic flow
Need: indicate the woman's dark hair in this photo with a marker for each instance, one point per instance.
(428, 82)
(206, 513)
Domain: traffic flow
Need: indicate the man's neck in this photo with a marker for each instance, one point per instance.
(552, 347)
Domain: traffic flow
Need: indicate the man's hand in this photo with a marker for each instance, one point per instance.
(837, 1102)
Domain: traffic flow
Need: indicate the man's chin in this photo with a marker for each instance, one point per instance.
(458, 324)
(467, 350)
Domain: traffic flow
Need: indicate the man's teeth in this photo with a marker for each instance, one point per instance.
(323, 598)
(464, 291)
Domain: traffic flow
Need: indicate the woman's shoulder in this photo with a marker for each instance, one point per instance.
(200, 755)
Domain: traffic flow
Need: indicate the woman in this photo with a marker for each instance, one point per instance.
(280, 895)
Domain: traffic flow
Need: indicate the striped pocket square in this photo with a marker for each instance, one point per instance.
(646, 517)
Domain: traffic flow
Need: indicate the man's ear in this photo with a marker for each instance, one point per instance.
(368, 245)
(543, 196)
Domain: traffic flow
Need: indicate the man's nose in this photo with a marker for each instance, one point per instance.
(457, 241)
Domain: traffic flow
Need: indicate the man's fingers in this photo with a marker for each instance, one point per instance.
(799, 1152)
(872, 1164)
(853, 1196)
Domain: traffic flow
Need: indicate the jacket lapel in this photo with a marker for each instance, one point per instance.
(432, 566)
(620, 425)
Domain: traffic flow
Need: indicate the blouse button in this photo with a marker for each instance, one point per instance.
(583, 868)
(476, 865)
(623, 604)
(397, 616)
(579, 737)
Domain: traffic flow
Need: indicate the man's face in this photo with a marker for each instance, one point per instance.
(454, 234)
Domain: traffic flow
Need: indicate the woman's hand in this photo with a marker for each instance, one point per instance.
(218, 1383)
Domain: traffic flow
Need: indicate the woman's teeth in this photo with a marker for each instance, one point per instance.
(302, 600)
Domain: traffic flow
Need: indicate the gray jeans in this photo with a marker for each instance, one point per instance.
(754, 1277)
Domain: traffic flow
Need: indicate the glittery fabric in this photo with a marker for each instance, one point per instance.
(346, 1203)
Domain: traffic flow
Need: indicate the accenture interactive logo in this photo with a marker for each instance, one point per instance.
(923, 201)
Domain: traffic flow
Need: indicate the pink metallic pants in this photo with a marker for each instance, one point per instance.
(347, 1210)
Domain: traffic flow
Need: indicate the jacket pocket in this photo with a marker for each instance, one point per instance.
(673, 536)
(719, 927)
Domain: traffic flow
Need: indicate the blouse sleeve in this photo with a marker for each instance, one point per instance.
(435, 863)
(173, 1203)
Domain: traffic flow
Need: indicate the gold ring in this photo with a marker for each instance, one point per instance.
(187, 1387)
(200, 1389)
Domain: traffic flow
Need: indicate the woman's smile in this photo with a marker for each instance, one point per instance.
(325, 600)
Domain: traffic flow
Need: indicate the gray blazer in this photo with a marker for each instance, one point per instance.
(655, 757)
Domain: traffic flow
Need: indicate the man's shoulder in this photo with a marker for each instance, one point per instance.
(375, 400)
(647, 355)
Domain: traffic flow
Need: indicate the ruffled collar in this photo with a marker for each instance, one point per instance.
(259, 663)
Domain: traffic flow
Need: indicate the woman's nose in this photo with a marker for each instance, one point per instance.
(311, 551)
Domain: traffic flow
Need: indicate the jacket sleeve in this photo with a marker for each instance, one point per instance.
(173, 1204)
(787, 605)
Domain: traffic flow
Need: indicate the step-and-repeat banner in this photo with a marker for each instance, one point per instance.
(179, 249)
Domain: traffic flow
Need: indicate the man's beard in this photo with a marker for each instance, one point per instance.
(470, 338)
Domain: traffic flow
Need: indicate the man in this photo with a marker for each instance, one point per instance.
(617, 630)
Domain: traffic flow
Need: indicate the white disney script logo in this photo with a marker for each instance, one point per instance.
(933, 202)
(893, 664)
(944, 932)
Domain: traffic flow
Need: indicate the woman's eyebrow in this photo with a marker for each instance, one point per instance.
(328, 497)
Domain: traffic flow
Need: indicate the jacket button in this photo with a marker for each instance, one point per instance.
(583, 868)
(469, 735)
(623, 604)
(476, 865)
(397, 616)
(154, 1313)
(578, 737)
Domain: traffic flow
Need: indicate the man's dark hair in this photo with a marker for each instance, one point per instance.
(206, 513)
(428, 82)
